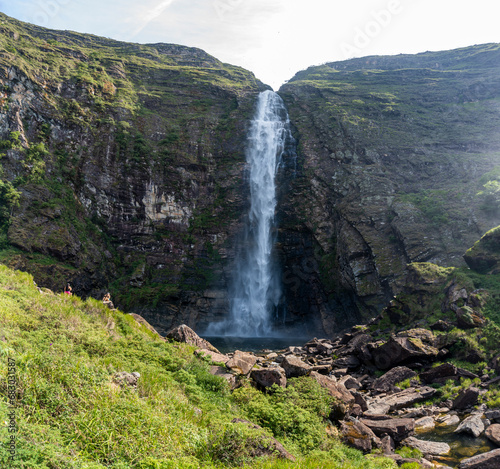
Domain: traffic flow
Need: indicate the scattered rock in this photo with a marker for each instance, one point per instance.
(358, 435)
(266, 377)
(186, 335)
(387, 445)
(125, 379)
(489, 460)
(398, 429)
(295, 367)
(402, 349)
(242, 362)
(214, 356)
(424, 424)
(448, 420)
(387, 381)
(222, 372)
(344, 399)
(493, 433)
(350, 362)
(409, 397)
(472, 424)
(466, 398)
(427, 447)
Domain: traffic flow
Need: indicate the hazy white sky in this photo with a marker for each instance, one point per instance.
(275, 38)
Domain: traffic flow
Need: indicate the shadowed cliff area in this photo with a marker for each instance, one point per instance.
(399, 159)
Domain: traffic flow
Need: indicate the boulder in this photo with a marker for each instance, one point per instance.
(402, 349)
(349, 382)
(409, 397)
(448, 420)
(489, 460)
(387, 445)
(444, 371)
(222, 372)
(466, 398)
(186, 335)
(387, 381)
(484, 256)
(493, 433)
(350, 362)
(266, 377)
(467, 318)
(427, 447)
(397, 429)
(356, 434)
(125, 379)
(493, 415)
(242, 362)
(424, 424)
(214, 356)
(295, 367)
(140, 320)
(344, 399)
(472, 424)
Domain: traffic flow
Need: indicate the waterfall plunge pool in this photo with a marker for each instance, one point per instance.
(226, 344)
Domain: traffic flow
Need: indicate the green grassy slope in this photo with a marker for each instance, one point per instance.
(70, 413)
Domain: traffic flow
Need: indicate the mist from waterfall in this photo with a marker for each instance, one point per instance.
(255, 289)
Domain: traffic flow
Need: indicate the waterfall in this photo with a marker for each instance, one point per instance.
(255, 289)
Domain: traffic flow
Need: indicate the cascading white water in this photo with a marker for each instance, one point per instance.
(256, 289)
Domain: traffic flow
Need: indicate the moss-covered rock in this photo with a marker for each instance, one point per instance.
(484, 256)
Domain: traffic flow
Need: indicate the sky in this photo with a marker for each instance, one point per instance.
(275, 38)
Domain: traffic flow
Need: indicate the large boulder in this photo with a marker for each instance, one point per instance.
(242, 362)
(489, 460)
(466, 398)
(442, 373)
(356, 434)
(484, 256)
(473, 424)
(467, 318)
(266, 377)
(186, 335)
(398, 350)
(344, 400)
(387, 381)
(295, 367)
(397, 429)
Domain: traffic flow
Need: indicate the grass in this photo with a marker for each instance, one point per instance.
(71, 413)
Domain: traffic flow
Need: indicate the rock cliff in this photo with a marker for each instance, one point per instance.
(122, 168)
(398, 160)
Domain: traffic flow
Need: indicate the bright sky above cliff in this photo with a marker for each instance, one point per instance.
(275, 38)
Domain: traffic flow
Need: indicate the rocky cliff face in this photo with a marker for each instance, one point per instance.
(123, 170)
(398, 161)
(128, 160)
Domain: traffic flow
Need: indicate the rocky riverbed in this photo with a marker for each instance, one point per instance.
(381, 412)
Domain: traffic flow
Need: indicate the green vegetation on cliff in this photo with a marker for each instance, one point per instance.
(73, 411)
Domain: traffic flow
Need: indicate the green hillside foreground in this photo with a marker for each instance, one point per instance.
(71, 414)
